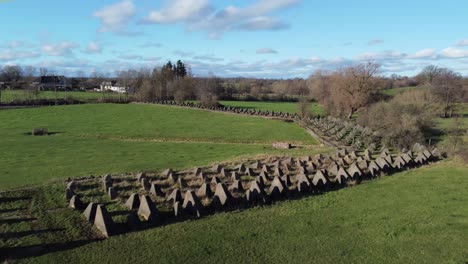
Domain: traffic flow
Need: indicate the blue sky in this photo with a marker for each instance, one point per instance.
(256, 38)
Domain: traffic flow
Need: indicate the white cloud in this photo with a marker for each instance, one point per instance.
(463, 43)
(423, 54)
(115, 18)
(180, 11)
(64, 48)
(266, 51)
(12, 55)
(201, 15)
(92, 48)
(263, 23)
(385, 55)
(453, 53)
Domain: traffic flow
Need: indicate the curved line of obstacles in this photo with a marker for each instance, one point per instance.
(198, 192)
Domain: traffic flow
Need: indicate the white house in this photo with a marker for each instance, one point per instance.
(113, 86)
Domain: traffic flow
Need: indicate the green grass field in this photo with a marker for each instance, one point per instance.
(21, 95)
(395, 91)
(111, 138)
(417, 216)
(288, 107)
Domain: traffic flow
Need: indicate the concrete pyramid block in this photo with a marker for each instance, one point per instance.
(235, 176)
(289, 161)
(191, 203)
(104, 222)
(407, 158)
(249, 171)
(236, 187)
(75, 203)
(69, 193)
(112, 193)
(90, 212)
(342, 176)
(363, 165)
(240, 168)
(319, 181)
(145, 183)
(172, 177)
(260, 181)
(222, 196)
(279, 172)
(181, 183)
(107, 178)
(166, 173)
(148, 209)
(156, 190)
(399, 163)
(303, 183)
(278, 188)
(255, 194)
(382, 163)
(374, 169)
(367, 155)
(140, 176)
(217, 168)
(265, 176)
(178, 209)
(133, 202)
(204, 191)
(175, 196)
(223, 173)
(203, 178)
(265, 168)
(72, 185)
(354, 171)
(286, 179)
(196, 171)
(256, 165)
(215, 180)
(106, 185)
(333, 168)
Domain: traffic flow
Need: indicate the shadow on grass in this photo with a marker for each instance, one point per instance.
(12, 210)
(48, 134)
(14, 199)
(9, 235)
(22, 252)
(16, 220)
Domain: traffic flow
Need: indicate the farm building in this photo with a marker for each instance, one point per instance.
(114, 87)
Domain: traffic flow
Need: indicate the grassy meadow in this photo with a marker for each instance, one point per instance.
(417, 216)
(111, 138)
(287, 107)
(395, 91)
(21, 95)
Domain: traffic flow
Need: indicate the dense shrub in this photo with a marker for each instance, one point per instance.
(399, 124)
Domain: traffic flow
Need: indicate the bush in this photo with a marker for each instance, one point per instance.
(400, 125)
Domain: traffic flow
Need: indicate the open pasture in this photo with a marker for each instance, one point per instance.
(110, 138)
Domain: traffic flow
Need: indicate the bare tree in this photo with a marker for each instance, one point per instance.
(207, 90)
(303, 107)
(43, 71)
(430, 73)
(448, 87)
(354, 87)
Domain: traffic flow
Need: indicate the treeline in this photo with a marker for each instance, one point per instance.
(356, 91)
